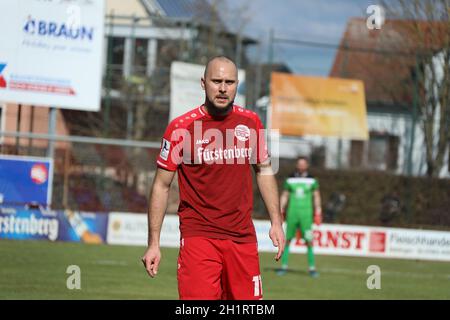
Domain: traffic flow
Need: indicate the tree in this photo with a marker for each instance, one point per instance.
(426, 37)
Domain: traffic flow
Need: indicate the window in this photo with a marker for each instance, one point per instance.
(380, 152)
(116, 50)
(318, 157)
(356, 153)
(377, 152)
(140, 56)
(392, 157)
(115, 56)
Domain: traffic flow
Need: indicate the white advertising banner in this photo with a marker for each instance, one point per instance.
(51, 53)
(131, 229)
(349, 240)
(186, 92)
(329, 239)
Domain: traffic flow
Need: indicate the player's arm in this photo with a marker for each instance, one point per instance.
(267, 185)
(157, 208)
(317, 207)
(283, 202)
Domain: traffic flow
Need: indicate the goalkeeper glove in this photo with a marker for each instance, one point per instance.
(318, 217)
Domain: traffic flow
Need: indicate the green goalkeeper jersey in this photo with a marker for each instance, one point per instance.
(301, 191)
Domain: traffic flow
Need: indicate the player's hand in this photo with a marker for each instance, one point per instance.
(276, 234)
(151, 259)
(318, 217)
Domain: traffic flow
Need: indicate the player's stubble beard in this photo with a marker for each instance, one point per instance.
(213, 110)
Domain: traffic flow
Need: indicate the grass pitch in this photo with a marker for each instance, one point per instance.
(37, 270)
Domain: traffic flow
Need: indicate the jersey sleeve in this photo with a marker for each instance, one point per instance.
(262, 151)
(171, 152)
(315, 185)
(286, 186)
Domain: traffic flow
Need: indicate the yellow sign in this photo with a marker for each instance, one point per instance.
(328, 107)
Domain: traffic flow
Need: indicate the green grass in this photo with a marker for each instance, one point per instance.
(37, 270)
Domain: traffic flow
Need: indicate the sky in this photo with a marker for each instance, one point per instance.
(321, 21)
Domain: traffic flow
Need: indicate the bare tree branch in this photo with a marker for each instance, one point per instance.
(425, 26)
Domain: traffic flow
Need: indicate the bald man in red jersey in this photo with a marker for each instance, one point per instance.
(213, 148)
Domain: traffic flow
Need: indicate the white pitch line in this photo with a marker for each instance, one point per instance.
(111, 262)
(388, 273)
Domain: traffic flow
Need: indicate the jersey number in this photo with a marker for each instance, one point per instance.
(300, 193)
(257, 285)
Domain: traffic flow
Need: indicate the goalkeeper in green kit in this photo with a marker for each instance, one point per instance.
(299, 200)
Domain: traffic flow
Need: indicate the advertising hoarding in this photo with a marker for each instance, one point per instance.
(51, 53)
(327, 107)
(25, 180)
(21, 223)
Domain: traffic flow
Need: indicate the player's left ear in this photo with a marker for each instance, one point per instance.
(202, 83)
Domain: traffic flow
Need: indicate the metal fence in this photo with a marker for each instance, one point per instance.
(94, 174)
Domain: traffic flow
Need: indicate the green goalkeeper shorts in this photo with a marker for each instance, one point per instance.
(302, 222)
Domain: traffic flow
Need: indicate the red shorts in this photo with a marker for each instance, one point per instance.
(216, 269)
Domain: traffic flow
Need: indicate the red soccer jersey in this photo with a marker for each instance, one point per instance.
(213, 158)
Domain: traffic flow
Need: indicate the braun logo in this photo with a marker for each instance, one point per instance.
(58, 30)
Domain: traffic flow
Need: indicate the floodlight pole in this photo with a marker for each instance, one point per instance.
(109, 44)
(19, 113)
(51, 132)
(413, 117)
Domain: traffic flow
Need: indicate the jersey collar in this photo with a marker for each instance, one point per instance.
(202, 110)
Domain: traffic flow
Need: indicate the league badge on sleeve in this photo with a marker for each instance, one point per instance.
(165, 149)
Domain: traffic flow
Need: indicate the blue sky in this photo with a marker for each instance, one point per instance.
(311, 20)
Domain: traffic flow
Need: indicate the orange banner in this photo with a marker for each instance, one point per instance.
(318, 106)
